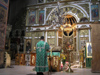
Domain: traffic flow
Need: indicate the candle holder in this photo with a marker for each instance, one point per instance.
(69, 70)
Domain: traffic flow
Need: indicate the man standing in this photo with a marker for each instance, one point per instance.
(41, 56)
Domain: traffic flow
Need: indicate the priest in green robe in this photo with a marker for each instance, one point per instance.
(41, 56)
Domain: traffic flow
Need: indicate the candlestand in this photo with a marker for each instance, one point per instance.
(69, 70)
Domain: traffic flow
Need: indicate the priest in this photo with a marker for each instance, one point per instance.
(41, 56)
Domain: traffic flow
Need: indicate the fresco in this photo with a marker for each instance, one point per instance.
(3, 22)
(41, 17)
(95, 12)
(32, 17)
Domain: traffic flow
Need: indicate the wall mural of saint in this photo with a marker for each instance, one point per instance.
(32, 17)
(89, 50)
(41, 17)
(3, 21)
(28, 45)
(3, 24)
(95, 12)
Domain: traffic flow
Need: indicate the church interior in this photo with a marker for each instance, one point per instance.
(70, 27)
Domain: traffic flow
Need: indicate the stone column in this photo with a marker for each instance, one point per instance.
(45, 34)
(89, 35)
(24, 45)
(77, 45)
(56, 38)
(62, 39)
(33, 44)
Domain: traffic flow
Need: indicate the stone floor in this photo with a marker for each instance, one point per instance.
(28, 70)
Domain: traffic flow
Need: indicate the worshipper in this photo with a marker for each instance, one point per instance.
(41, 56)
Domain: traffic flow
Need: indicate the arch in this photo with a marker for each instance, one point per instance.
(85, 14)
(74, 15)
(79, 8)
(50, 13)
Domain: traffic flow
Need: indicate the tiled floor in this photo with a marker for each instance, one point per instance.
(28, 70)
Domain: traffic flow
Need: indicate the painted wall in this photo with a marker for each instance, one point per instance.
(3, 23)
(95, 31)
(16, 6)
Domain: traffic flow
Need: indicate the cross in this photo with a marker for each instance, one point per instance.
(40, 50)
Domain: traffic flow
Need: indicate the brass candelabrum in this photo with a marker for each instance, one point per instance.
(69, 70)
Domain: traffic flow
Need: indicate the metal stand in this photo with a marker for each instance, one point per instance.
(69, 70)
(50, 58)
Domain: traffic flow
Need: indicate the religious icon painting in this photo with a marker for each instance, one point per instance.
(88, 50)
(41, 17)
(32, 17)
(28, 45)
(22, 59)
(95, 12)
(55, 61)
(33, 59)
(27, 59)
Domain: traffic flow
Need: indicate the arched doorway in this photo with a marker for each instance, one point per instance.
(68, 33)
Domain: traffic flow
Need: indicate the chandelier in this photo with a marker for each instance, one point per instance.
(62, 20)
(69, 26)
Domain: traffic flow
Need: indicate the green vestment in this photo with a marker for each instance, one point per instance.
(41, 57)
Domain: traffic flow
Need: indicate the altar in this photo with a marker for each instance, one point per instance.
(54, 59)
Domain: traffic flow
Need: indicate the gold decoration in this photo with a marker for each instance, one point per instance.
(51, 33)
(74, 10)
(80, 15)
(55, 63)
(51, 41)
(33, 59)
(28, 34)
